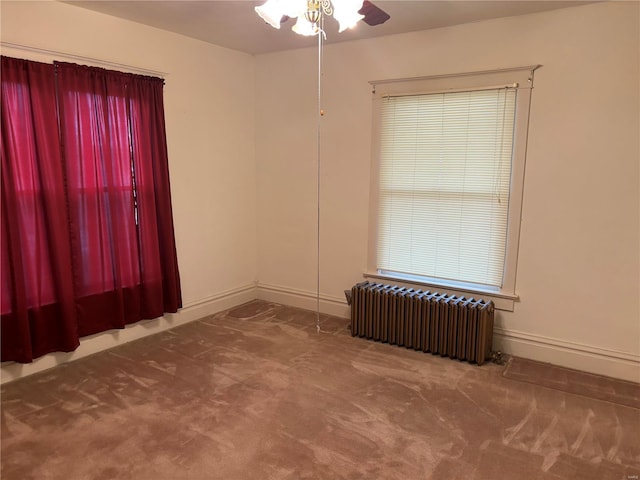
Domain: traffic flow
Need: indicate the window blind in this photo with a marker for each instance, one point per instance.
(445, 170)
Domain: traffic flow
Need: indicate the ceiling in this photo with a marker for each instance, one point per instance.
(235, 25)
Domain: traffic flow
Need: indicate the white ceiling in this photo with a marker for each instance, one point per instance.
(235, 25)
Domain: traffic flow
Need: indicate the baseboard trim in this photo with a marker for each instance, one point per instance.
(587, 358)
(216, 303)
(10, 371)
(601, 361)
(612, 363)
(303, 299)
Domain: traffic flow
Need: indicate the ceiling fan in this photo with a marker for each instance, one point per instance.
(310, 12)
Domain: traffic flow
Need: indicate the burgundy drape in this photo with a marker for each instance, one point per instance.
(119, 230)
(38, 306)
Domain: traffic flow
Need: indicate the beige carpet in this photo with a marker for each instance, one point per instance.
(256, 393)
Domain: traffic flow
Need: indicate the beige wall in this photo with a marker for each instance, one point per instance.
(209, 111)
(578, 270)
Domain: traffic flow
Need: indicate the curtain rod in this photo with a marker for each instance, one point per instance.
(95, 61)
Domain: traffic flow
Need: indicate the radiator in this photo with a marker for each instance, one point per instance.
(451, 326)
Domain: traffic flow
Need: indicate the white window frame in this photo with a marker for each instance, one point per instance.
(520, 78)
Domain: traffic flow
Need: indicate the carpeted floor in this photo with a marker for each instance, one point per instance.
(257, 393)
(573, 381)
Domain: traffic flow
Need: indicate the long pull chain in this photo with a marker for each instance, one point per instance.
(320, 114)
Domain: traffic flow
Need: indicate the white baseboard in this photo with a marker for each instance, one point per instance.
(102, 341)
(612, 363)
(587, 358)
(303, 299)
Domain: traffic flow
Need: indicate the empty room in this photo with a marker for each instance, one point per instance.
(320, 239)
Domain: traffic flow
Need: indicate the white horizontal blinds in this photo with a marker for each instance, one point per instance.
(445, 168)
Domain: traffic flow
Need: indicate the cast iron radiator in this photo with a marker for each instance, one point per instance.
(451, 326)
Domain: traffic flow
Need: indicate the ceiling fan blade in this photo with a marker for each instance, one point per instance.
(373, 15)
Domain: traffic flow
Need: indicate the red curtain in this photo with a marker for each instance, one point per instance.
(149, 146)
(119, 229)
(38, 306)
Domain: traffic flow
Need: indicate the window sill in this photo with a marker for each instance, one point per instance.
(503, 301)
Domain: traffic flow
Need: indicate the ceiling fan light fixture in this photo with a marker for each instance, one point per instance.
(305, 27)
(309, 13)
(346, 12)
(271, 12)
(313, 13)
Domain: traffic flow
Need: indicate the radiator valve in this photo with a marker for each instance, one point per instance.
(497, 357)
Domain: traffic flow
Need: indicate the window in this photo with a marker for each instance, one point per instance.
(447, 184)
